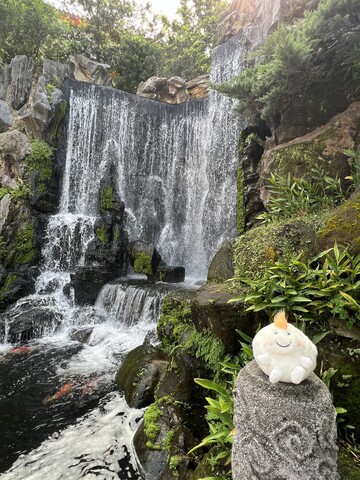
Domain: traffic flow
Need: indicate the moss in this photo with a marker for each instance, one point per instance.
(142, 263)
(343, 225)
(174, 321)
(347, 468)
(151, 427)
(101, 235)
(240, 212)
(25, 250)
(4, 191)
(10, 279)
(116, 233)
(40, 159)
(106, 198)
(276, 241)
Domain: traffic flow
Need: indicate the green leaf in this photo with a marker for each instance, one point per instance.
(340, 410)
(211, 385)
(318, 337)
(350, 299)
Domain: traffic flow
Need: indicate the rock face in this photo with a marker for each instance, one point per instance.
(256, 18)
(283, 431)
(174, 90)
(324, 147)
(89, 71)
(15, 81)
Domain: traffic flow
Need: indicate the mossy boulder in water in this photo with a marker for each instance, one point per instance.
(342, 226)
(139, 374)
(163, 440)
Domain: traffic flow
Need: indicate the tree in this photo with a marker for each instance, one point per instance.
(189, 39)
(26, 26)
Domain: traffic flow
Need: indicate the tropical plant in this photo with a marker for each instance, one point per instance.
(325, 286)
(299, 196)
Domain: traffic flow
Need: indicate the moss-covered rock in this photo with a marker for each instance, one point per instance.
(140, 373)
(342, 226)
(324, 147)
(163, 440)
(211, 311)
(222, 265)
(275, 241)
(343, 355)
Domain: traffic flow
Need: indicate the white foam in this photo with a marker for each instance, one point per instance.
(97, 446)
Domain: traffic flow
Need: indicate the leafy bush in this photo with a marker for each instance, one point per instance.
(319, 47)
(298, 196)
(327, 285)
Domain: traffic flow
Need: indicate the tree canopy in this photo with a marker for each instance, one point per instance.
(136, 43)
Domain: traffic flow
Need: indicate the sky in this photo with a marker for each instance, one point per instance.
(164, 7)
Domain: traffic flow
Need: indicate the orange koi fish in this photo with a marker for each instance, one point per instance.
(64, 390)
(20, 349)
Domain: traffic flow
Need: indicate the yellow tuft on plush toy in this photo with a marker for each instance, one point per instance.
(283, 352)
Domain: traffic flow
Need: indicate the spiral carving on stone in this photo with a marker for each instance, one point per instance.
(256, 456)
(294, 441)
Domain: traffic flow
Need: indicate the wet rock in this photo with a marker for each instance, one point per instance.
(198, 87)
(140, 373)
(89, 71)
(283, 431)
(211, 310)
(222, 265)
(81, 335)
(144, 258)
(34, 323)
(170, 274)
(161, 437)
(87, 283)
(6, 117)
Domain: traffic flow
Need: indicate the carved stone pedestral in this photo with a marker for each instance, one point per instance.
(283, 431)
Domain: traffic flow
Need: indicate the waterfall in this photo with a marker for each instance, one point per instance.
(133, 304)
(175, 165)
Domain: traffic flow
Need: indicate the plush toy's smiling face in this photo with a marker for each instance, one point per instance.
(280, 340)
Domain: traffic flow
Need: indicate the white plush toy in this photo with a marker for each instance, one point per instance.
(283, 352)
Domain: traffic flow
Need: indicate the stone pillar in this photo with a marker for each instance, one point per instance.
(283, 431)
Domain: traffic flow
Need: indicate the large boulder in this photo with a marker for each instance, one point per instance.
(87, 283)
(140, 373)
(211, 311)
(342, 226)
(16, 80)
(14, 146)
(198, 87)
(163, 440)
(168, 91)
(6, 117)
(89, 71)
(324, 148)
(36, 113)
(222, 265)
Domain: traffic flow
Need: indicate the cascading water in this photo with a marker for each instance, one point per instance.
(176, 166)
(175, 169)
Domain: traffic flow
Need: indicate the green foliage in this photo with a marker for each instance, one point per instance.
(142, 263)
(101, 235)
(316, 48)
(298, 196)
(354, 156)
(106, 198)
(26, 26)
(40, 159)
(188, 40)
(325, 286)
